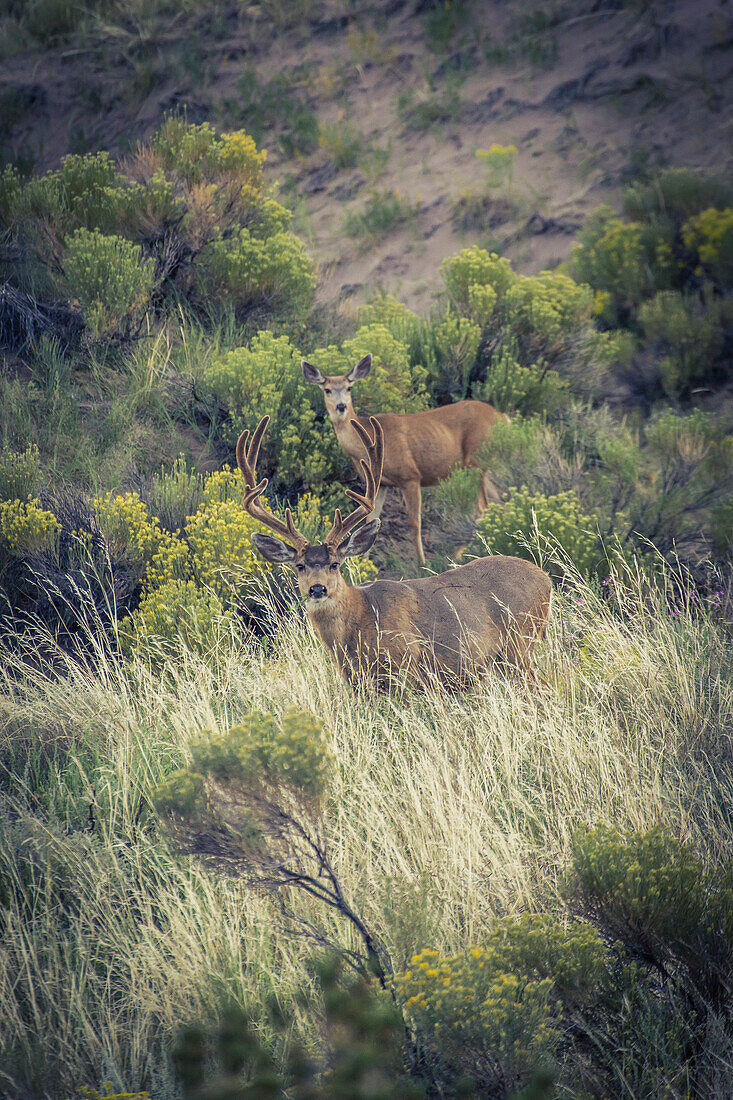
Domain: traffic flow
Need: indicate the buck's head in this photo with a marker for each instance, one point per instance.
(317, 567)
(337, 388)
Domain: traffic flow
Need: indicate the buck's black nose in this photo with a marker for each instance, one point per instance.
(317, 591)
(341, 407)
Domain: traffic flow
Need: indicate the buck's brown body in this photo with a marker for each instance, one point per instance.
(420, 449)
(451, 627)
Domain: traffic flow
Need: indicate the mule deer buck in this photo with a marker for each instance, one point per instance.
(420, 449)
(450, 627)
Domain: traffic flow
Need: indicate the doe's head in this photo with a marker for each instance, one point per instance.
(337, 388)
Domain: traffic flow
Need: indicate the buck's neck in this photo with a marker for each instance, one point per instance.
(339, 622)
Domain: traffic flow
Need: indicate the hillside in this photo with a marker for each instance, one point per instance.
(404, 94)
(226, 869)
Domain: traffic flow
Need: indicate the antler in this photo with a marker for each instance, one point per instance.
(372, 469)
(247, 460)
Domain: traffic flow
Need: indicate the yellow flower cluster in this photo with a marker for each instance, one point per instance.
(127, 526)
(476, 267)
(26, 528)
(710, 235)
(220, 537)
(176, 611)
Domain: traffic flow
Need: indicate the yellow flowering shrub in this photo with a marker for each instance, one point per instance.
(499, 160)
(198, 153)
(178, 612)
(20, 473)
(547, 307)
(26, 528)
(710, 236)
(219, 535)
(501, 998)
(476, 267)
(108, 1093)
(127, 526)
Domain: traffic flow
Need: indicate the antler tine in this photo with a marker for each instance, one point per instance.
(247, 461)
(372, 471)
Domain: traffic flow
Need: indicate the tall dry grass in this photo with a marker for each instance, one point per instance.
(446, 811)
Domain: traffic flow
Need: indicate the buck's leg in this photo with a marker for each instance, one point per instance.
(413, 504)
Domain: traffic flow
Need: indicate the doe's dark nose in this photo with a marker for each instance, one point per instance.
(317, 591)
(341, 407)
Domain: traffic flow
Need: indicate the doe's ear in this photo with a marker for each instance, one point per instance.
(272, 549)
(360, 540)
(311, 373)
(361, 370)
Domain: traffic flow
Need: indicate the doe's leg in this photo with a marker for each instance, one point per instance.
(413, 503)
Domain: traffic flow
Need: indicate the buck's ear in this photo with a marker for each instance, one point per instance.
(360, 541)
(272, 549)
(361, 370)
(311, 373)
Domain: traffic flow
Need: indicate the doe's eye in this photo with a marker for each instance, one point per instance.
(328, 391)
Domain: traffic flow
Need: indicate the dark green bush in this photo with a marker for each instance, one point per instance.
(669, 910)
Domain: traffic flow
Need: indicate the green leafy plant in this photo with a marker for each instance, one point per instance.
(687, 335)
(383, 212)
(109, 278)
(531, 524)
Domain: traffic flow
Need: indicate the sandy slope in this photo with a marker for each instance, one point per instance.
(608, 89)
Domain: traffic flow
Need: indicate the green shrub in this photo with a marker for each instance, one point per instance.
(531, 524)
(709, 236)
(109, 278)
(192, 200)
(674, 195)
(20, 474)
(177, 613)
(457, 340)
(458, 493)
(383, 212)
(510, 386)
(248, 270)
(175, 493)
(26, 528)
(658, 898)
(474, 267)
(360, 1029)
(342, 142)
(687, 336)
(623, 260)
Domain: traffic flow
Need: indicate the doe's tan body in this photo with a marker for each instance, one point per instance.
(420, 449)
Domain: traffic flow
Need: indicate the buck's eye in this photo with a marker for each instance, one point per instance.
(334, 566)
(328, 391)
(300, 567)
